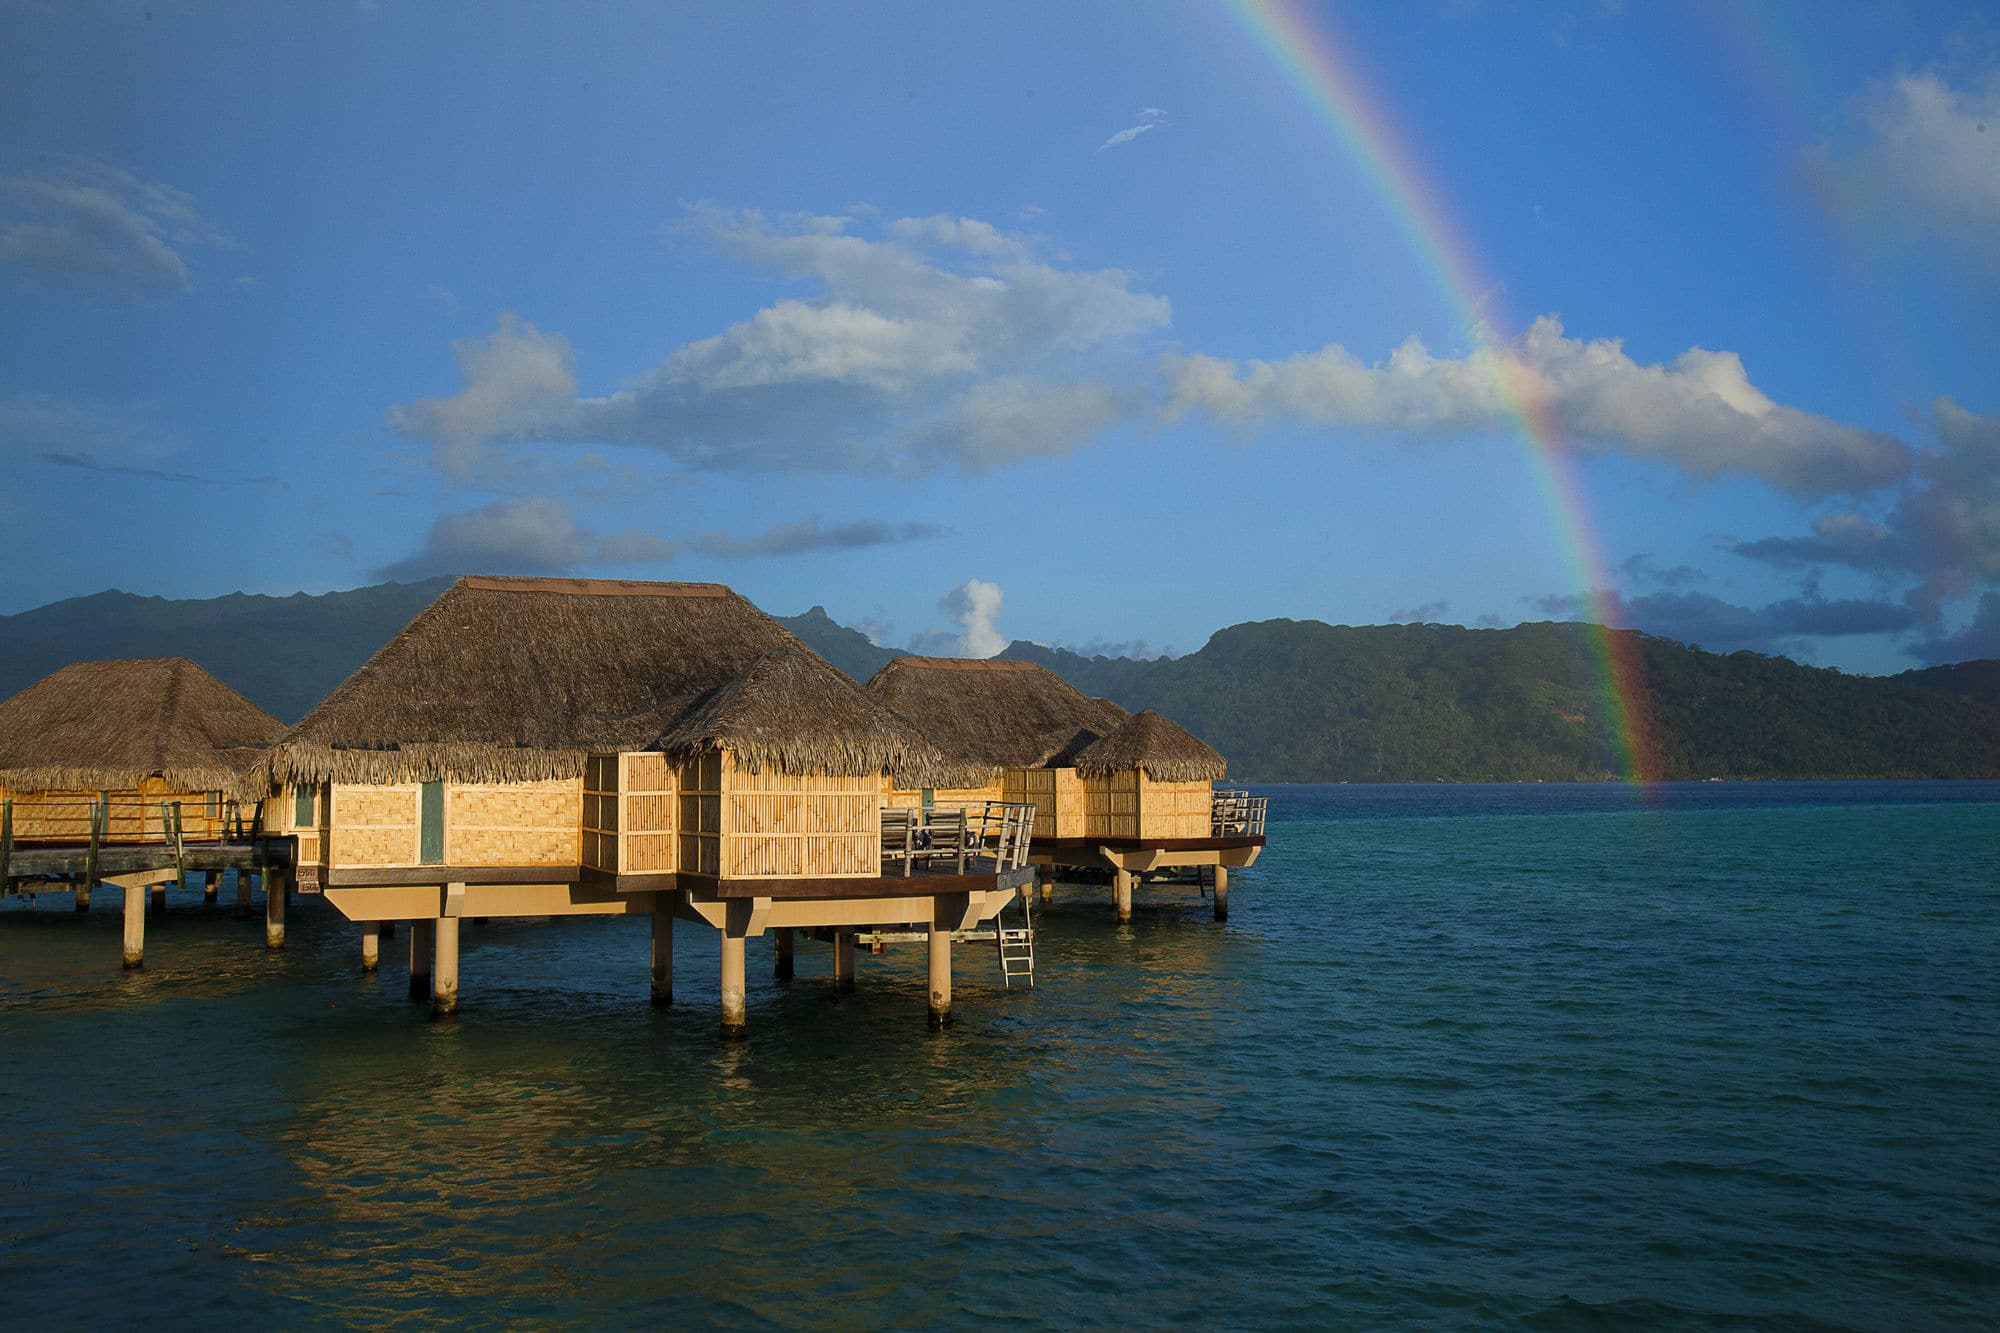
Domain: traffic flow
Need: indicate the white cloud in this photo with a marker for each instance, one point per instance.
(1700, 413)
(534, 535)
(1150, 118)
(1922, 157)
(87, 224)
(975, 606)
(903, 328)
(1011, 420)
(811, 535)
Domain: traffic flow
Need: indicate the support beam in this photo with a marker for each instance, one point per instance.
(663, 956)
(135, 927)
(782, 949)
(941, 966)
(274, 909)
(843, 962)
(444, 972)
(1222, 893)
(420, 958)
(371, 946)
(1122, 882)
(735, 1009)
(243, 879)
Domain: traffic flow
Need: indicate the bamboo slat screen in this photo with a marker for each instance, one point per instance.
(647, 800)
(513, 823)
(1111, 805)
(1057, 795)
(778, 826)
(1175, 809)
(373, 826)
(699, 784)
(600, 813)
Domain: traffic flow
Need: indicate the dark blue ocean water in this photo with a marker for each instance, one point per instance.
(1557, 1055)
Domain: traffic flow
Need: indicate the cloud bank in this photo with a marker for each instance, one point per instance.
(85, 224)
(535, 535)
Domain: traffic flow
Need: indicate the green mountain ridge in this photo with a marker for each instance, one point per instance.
(1285, 700)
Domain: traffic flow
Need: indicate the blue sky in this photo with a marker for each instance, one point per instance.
(1060, 322)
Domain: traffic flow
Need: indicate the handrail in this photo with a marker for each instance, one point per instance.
(124, 817)
(999, 829)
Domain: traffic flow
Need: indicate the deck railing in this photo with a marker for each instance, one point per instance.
(948, 837)
(1237, 814)
(115, 818)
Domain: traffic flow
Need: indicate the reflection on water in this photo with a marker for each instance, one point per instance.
(1573, 1066)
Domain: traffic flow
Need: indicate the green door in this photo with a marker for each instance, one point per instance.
(430, 825)
(302, 806)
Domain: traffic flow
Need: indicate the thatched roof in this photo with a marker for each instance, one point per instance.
(994, 714)
(108, 726)
(793, 710)
(1150, 742)
(520, 679)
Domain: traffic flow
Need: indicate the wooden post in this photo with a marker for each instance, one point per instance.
(420, 958)
(444, 974)
(843, 962)
(782, 948)
(663, 954)
(735, 1011)
(1222, 893)
(1123, 892)
(371, 946)
(941, 929)
(135, 928)
(274, 909)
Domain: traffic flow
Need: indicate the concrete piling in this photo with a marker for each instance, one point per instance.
(159, 899)
(735, 1009)
(1222, 893)
(135, 927)
(940, 950)
(444, 972)
(82, 895)
(420, 958)
(243, 878)
(371, 945)
(274, 909)
(663, 957)
(843, 962)
(1122, 880)
(782, 967)
(209, 879)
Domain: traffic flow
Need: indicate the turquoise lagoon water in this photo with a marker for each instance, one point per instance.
(1562, 1056)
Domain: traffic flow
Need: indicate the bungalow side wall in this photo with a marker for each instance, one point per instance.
(1175, 809)
(363, 826)
(772, 825)
(1057, 795)
(628, 814)
(912, 798)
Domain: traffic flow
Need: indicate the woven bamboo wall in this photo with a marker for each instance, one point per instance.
(911, 798)
(1175, 809)
(698, 822)
(647, 815)
(600, 813)
(313, 835)
(372, 825)
(513, 823)
(776, 826)
(1057, 794)
(1111, 806)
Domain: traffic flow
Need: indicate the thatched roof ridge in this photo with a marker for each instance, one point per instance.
(519, 680)
(994, 715)
(108, 726)
(794, 711)
(1163, 749)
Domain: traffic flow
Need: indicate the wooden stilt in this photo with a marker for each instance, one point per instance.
(444, 971)
(663, 956)
(781, 967)
(1122, 880)
(1222, 893)
(243, 880)
(843, 962)
(735, 1009)
(940, 943)
(420, 958)
(371, 946)
(274, 909)
(135, 928)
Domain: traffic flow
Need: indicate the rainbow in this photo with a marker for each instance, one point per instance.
(1311, 58)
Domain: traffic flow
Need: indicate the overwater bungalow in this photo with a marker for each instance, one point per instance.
(134, 773)
(548, 747)
(1131, 795)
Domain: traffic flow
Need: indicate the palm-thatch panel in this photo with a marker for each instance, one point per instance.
(995, 715)
(110, 726)
(1150, 743)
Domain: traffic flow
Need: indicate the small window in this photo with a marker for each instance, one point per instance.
(302, 806)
